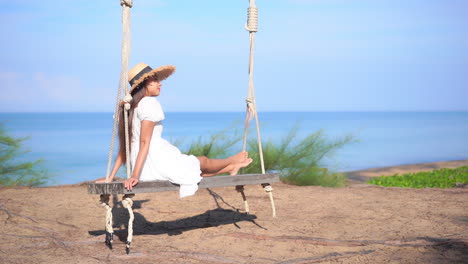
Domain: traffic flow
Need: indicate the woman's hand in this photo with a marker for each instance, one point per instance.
(129, 183)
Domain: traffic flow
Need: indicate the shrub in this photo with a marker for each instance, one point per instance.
(14, 171)
(298, 163)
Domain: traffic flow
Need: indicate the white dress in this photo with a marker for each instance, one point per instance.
(164, 160)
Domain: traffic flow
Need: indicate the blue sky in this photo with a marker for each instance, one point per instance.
(311, 55)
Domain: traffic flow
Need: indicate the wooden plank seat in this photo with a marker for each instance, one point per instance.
(162, 186)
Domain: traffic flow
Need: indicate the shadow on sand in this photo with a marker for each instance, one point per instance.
(449, 250)
(141, 226)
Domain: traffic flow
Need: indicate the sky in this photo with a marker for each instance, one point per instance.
(310, 55)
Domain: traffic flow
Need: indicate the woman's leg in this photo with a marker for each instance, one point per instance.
(211, 167)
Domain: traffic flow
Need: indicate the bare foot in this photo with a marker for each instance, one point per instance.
(239, 157)
(237, 166)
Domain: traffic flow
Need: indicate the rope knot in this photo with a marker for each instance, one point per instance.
(127, 203)
(127, 100)
(250, 108)
(128, 3)
(252, 19)
(268, 188)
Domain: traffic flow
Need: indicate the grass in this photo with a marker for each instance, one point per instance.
(441, 178)
(299, 161)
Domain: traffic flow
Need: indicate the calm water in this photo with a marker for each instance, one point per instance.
(75, 145)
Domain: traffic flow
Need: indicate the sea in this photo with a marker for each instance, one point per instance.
(74, 146)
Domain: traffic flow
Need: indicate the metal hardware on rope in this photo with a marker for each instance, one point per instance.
(240, 188)
(127, 203)
(128, 3)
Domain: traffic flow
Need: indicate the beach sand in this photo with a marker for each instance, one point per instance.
(359, 223)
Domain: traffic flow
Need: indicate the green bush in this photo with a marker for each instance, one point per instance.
(218, 146)
(299, 162)
(13, 171)
(441, 178)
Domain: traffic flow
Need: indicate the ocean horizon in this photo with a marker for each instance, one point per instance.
(75, 145)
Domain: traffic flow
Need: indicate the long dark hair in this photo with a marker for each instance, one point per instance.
(137, 95)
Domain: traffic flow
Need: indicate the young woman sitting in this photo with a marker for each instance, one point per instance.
(152, 157)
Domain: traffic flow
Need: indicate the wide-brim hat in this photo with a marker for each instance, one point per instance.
(140, 72)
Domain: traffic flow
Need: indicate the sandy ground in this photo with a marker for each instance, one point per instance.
(355, 224)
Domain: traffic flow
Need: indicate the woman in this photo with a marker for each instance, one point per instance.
(152, 157)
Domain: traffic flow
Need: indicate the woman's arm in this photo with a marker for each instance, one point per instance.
(115, 169)
(146, 132)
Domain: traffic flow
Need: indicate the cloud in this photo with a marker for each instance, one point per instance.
(45, 92)
(64, 89)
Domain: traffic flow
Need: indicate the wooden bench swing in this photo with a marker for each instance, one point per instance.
(115, 188)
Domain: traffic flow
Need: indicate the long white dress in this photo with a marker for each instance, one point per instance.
(164, 160)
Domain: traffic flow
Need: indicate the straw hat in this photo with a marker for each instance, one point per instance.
(142, 71)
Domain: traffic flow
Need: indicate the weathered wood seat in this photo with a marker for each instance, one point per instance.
(162, 186)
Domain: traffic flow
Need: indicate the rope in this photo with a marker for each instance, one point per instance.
(252, 18)
(251, 112)
(127, 106)
(105, 203)
(126, 5)
(114, 129)
(127, 149)
(128, 203)
(269, 189)
(240, 188)
(123, 86)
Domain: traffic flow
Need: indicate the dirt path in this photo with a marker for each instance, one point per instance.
(355, 224)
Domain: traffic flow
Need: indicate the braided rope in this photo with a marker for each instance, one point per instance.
(126, 5)
(114, 129)
(127, 202)
(269, 189)
(123, 84)
(105, 203)
(127, 149)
